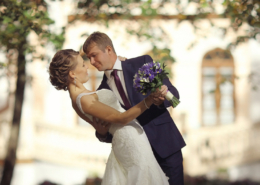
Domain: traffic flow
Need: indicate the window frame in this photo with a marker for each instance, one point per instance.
(218, 58)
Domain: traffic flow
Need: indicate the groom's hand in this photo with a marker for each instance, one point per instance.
(121, 58)
(101, 126)
(159, 95)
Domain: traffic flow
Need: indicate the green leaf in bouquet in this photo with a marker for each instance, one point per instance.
(157, 78)
(159, 84)
(164, 65)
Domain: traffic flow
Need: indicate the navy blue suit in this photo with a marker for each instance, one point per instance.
(163, 135)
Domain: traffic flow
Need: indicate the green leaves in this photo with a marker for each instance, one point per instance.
(6, 20)
(147, 9)
(2, 65)
(19, 18)
(238, 11)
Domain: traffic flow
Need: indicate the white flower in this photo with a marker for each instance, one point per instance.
(145, 79)
(158, 65)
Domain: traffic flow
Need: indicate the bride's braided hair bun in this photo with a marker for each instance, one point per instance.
(62, 63)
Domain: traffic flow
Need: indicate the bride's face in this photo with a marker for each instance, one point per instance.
(81, 70)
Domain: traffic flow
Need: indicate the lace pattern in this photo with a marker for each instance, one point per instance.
(131, 161)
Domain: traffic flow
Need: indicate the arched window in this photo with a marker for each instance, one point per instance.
(218, 89)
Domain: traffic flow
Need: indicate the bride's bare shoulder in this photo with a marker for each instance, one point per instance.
(83, 95)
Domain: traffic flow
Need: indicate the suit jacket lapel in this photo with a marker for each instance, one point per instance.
(104, 84)
(128, 76)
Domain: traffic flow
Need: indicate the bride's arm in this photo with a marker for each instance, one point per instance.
(92, 106)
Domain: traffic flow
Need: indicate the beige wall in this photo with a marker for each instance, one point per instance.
(49, 123)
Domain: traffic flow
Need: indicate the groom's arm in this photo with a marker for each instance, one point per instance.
(107, 138)
(102, 131)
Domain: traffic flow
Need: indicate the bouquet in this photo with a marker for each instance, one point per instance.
(150, 77)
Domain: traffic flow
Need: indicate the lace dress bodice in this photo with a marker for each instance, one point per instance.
(109, 98)
(131, 160)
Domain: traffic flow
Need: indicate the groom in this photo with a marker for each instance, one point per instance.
(163, 135)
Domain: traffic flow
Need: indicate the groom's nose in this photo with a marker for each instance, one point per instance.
(92, 61)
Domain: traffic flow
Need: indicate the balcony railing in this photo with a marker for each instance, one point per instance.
(75, 146)
(221, 147)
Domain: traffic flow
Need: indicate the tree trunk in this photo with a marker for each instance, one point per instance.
(10, 159)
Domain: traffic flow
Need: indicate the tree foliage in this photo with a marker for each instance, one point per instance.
(19, 19)
(140, 16)
(238, 11)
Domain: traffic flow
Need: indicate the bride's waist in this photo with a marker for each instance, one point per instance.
(115, 127)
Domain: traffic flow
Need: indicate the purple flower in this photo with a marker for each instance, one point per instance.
(144, 78)
(151, 77)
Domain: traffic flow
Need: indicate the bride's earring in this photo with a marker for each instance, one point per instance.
(75, 82)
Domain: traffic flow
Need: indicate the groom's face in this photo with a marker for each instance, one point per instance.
(98, 58)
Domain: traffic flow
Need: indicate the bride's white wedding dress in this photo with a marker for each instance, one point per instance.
(131, 161)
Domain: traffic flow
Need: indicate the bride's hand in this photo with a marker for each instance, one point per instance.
(122, 58)
(101, 126)
(148, 101)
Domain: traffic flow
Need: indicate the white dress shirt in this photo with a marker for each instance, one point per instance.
(111, 81)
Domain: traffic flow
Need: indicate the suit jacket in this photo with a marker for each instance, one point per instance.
(158, 125)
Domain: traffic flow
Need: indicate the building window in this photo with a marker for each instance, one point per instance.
(218, 89)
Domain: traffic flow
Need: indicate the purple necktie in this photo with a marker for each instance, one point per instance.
(120, 89)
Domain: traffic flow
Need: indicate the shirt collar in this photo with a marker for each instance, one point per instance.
(117, 65)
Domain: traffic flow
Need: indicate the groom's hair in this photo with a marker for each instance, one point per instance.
(100, 39)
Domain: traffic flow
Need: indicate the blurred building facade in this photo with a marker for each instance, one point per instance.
(219, 113)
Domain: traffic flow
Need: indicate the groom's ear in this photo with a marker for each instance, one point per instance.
(109, 49)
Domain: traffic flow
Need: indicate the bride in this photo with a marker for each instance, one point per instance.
(131, 161)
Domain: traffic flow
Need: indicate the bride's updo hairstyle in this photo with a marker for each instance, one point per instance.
(62, 63)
